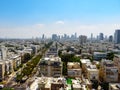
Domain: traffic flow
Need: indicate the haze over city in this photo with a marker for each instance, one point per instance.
(59, 44)
(32, 18)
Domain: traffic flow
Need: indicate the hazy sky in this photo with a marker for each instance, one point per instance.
(31, 18)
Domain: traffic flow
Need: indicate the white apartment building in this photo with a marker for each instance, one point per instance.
(16, 59)
(114, 86)
(92, 72)
(110, 71)
(116, 60)
(74, 69)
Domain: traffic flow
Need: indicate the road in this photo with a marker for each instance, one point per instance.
(11, 81)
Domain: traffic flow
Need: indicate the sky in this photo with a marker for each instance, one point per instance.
(32, 18)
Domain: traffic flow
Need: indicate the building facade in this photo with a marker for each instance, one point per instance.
(51, 67)
(117, 36)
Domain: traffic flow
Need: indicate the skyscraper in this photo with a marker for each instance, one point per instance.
(82, 39)
(101, 36)
(43, 37)
(54, 37)
(75, 35)
(117, 36)
(91, 37)
(110, 38)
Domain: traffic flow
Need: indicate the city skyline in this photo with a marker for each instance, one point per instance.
(32, 18)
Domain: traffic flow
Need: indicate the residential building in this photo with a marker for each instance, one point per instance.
(52, 52)
(89, 70)
(2, 70)
(92, 72)
(76, 85)
(28, 50)
(51, 67)
(109, 71)
(16, 61)
(99, 55)
(74, 69)
(49, 83)
(114, 86)
(116, 60)
(84, 62)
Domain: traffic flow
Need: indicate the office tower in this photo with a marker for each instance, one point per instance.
(54, 37)
(82, 39)
(101, 36)
(65, 36)
(117, 36)
(91, 36)
(75, 35)
(110, 38)
(43, 37)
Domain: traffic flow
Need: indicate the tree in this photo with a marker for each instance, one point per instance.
(95, 84)
(64, 71)
(59, 53)
(105, 85)
(68, 58)
(110, 56)
(7, 89)
(18, 78)
(26, 57)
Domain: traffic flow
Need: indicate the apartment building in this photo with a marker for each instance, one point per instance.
(16, 59)
(89, 70)
(114, 86)
(2, 70)
(74, 69)
(99, 55)
(109, 71)
(8, 66)
(116, 60)
(92, 72)
(84, 62)
(45, 83)
(52, 51)
(51, 67)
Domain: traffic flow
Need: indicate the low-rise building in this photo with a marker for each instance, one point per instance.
(48, 83)
(99, 55)
(92, 72)
(28, 50)
(109, 71)
(84, 62)
(52, 51)
(74, 69)
(76, 85)
(114, 86)
(116, 60)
